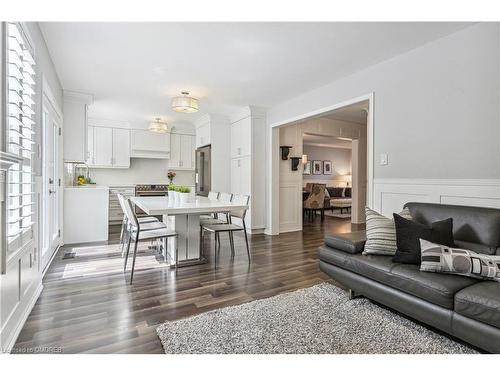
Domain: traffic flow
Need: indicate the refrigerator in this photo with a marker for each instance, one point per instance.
(203, 178)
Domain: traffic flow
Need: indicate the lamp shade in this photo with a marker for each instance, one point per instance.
(304, 159)
(185, 103)
(158, 126)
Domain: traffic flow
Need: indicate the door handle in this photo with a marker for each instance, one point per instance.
(52, 191)
(51, 181)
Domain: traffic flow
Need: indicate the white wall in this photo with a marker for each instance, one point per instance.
(436, 111)
(341, 164)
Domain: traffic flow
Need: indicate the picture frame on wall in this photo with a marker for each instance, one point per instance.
(307, 168)
(327, 167)
(317, 166)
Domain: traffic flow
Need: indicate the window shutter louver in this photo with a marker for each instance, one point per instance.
(21, 127)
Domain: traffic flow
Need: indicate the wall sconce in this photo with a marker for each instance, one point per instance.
(295, 162)
(304, 159)
(285, 150)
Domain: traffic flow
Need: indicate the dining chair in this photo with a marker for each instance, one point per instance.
(229, 227)
(149, 223)
(137, 233)
(315, 201)
(213, 196)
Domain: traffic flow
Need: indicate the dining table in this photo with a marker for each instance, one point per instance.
(184, 218)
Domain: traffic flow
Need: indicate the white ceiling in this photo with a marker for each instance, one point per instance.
(352, 113)
(133, 69)
(325, 141)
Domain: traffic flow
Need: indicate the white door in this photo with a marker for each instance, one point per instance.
(103, 141)
(51, 189)
(186, 152)
(121, 148)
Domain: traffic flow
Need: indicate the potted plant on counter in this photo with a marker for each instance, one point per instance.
(184, 194)
(172, 193)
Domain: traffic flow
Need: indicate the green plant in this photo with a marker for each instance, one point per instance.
(171, 187)
(184, 189)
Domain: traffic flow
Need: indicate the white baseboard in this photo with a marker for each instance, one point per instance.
(391, 194)
(24, 316)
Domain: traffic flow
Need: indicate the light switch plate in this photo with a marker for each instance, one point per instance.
(384, 159)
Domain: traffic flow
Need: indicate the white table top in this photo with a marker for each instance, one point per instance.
(201, 205)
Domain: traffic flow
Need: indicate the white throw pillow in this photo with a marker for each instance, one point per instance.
(381, 232)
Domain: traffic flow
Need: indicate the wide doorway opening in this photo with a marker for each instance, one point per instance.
(325, 180)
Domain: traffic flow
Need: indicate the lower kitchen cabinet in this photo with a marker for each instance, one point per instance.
(115, 210)
(241, 175)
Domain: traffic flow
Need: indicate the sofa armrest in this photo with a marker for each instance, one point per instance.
(352, 243)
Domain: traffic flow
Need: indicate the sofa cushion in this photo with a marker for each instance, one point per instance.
(381, 233)
(409, 233)
(352, 242)
(436, 288)
(479, 225)
(480, 302)
(336, 192)
(375, 267)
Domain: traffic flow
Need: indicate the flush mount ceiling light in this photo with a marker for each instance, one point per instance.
(185, 103)
(158, 126)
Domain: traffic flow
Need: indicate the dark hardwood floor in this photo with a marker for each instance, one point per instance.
(88, 306)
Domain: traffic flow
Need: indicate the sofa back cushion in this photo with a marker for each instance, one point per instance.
(476, 225)
(336, 192)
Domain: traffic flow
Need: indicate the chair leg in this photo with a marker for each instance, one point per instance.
(126, 252)
(215, 250)
(246, 240)
(133, 260)
(322, 214)
(176, 253)
(231, 242)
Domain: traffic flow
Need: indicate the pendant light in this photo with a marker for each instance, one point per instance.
(158, 126)
(185, 103)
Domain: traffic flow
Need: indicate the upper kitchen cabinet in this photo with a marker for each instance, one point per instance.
(203, 135)
(147, 144)
(108, 147)
(241, 137)
(182, 149)
(75, 126)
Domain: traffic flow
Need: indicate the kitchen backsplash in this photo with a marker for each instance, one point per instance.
(141, 171)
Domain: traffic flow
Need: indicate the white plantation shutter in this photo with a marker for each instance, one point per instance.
(20, 137)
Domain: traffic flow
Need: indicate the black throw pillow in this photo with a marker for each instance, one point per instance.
(409, 233)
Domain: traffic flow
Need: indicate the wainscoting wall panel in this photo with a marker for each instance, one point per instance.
(391, 194)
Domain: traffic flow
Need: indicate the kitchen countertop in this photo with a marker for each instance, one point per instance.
(94, 187)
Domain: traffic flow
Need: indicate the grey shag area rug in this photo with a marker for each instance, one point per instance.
(319, 319)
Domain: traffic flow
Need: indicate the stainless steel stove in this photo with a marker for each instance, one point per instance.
(149, 191)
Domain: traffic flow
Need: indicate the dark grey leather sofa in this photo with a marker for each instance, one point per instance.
(466, 308)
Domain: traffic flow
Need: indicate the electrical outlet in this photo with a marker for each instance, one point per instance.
(384, 159)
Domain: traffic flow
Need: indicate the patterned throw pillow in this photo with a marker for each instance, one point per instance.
(444, 259)
(381, 233)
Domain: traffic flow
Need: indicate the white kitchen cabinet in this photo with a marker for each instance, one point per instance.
(147, 144)
(75, 126)
(241, 138)
(203, 136)
(181, 152)
(108, 147)
(103, 147)
(248, 158)
(121, 148)
(85, 214)
(241, 175)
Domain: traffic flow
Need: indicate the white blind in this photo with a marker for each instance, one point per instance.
(20, 137)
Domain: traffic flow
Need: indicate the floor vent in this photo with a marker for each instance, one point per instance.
(69, 255)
